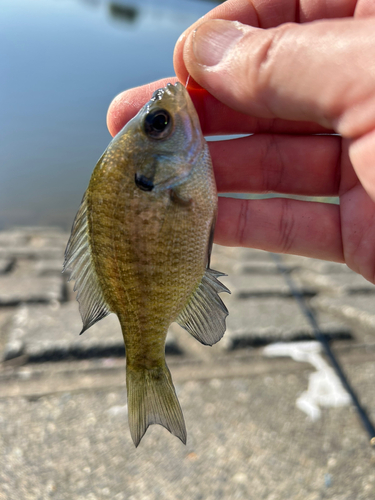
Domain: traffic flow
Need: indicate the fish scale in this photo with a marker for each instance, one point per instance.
(143, 235)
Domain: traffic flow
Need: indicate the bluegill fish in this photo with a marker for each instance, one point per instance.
(140, 248)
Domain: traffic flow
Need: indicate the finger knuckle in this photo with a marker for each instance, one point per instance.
(286, 229)
(273, 164)
(243, 223)
(263, 59)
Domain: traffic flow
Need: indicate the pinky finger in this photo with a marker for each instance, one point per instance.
(281, 225)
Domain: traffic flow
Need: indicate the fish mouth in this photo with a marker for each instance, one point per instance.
(170, 90)
(175, 98)
(172, 96)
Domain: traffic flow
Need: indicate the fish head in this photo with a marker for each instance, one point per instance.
(167, 139)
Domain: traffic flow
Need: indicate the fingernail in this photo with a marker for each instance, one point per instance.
(213, 39)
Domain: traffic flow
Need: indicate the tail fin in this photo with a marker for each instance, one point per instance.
(152, 400)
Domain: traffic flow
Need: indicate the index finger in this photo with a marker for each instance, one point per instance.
(215, 117)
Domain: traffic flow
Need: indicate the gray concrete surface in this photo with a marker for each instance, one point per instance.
(335, 283)
(261, 320)
(17, 290)
(246, 440)
(358, 311)
(52, 332)
(243, 286)
(63, 414)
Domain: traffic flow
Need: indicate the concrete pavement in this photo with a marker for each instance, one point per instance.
(63, 415)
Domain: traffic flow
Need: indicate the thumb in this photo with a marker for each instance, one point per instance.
(322, 71)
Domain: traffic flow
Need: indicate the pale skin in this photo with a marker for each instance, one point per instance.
(309, 69)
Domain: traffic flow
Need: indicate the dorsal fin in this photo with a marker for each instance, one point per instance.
(204, 315)
(78, 260)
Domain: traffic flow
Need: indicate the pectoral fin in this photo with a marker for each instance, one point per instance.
(204, 315)
(78, 259)
(175, 198)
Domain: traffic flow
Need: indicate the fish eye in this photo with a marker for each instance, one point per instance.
(158, 124)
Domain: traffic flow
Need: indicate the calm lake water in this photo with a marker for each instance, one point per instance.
(62, 62)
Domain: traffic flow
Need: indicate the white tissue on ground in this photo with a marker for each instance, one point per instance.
(325, 388)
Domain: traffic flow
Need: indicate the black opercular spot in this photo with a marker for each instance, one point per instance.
(144, 183)
(158, 124)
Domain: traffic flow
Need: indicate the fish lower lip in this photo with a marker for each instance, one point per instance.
(144, 183)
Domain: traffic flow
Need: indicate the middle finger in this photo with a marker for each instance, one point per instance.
(261, 163)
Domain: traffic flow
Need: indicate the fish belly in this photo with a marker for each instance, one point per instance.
(149, 254)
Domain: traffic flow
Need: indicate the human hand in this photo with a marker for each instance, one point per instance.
(285, 85)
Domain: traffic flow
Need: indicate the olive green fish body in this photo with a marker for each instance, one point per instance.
(140, 248)
(148, 263)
